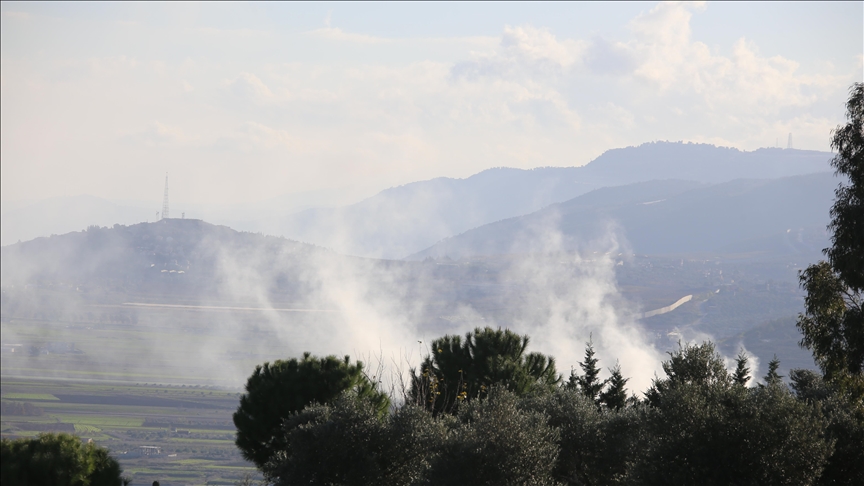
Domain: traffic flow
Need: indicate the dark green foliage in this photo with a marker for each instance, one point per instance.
(847, 215)
(615, 394)
(497, 443)
(833, 326)
(589, 381)
(349, 443)
(846, 430)
(597, 446)
(459, 371)
(699, 365)
(275, 391)
(742, 371)
(845, 427)
(714, 434)
(58, 460)
(490, 441)
(833, 318)
(772, 377)
(809, 385)
(700, 424)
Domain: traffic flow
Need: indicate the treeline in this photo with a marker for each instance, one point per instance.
(484, 411)
(58, 460)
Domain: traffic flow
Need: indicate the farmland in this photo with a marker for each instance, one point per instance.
(191, 425)
(164, 371)
(95, 377)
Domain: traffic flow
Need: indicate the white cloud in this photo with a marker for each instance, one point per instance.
(409, 108)
(248, 86)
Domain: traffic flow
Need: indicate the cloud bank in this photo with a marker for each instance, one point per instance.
(243, 114)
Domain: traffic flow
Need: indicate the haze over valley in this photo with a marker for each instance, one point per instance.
(190, 191)
(539, 236)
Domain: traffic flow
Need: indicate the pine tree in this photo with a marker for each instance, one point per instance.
(615, 396)
(772, 377)
(742, 371)
(460, 370)
(589, 383)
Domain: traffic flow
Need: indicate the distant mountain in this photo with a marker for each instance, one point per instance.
(700, 162)
(179, 257)
(786, 215)
(403, 220)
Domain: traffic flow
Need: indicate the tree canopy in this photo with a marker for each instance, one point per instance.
(846, 253)
(58, 460)
(276, 391)
(832, 323)
(699, 424)
(458, 370)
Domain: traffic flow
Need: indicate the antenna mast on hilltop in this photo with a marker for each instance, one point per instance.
(165, 199)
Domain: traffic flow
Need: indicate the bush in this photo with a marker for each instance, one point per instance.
(495, 442)
(701, 434)
(349, 443)
(58, 460)
(597, 445)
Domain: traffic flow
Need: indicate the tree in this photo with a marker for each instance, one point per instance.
(742, 371)
(597, 446)
(589, 382)
(58, 459)
(832, 323)
(846, 253)
(708, 432)
(615, 395)
(348, 442)
(845, 426)
(458, 371)
(699, 365)
(772, 377)
(495, 442)
(276, 391)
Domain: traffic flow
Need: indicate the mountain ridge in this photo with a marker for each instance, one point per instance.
(406, 219)
(725, 217)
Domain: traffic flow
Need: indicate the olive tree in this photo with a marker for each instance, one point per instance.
(58, 459)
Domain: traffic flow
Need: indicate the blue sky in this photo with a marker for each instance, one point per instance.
(242, 102)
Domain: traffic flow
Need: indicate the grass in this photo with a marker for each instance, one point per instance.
(100, 421)
(203, 441)
(29, 396)
(191, 462)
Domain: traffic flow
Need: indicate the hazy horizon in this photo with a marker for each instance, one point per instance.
(241, 103)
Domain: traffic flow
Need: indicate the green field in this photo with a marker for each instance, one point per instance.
(30, 396)
(197, 444)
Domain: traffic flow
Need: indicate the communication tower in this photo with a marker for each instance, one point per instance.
(788, 144)
(165, 199)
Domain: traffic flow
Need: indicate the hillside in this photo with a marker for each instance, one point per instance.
(403, 220)
(178, 257)
(771, 216)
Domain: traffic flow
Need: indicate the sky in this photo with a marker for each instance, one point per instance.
(247, 102)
